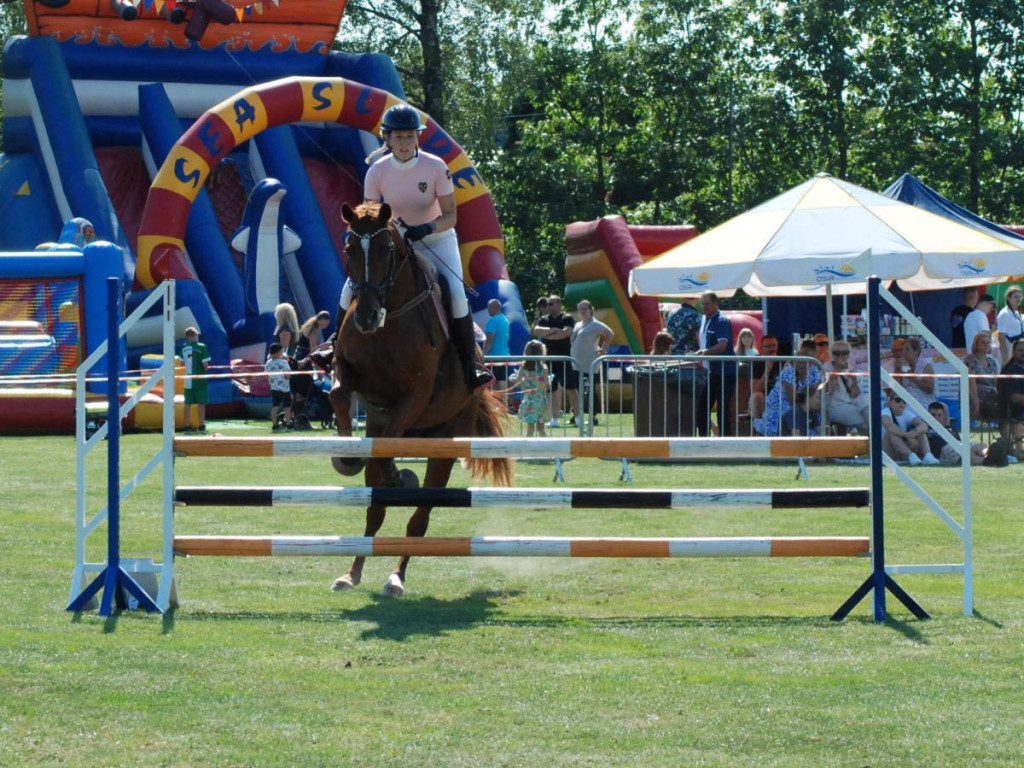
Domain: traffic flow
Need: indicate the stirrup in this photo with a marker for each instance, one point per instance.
(478, 377)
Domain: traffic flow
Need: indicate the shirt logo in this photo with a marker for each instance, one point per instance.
(422, 186)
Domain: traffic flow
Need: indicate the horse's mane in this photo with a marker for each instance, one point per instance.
(367, 210)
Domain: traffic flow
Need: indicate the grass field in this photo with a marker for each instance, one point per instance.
(536, 662)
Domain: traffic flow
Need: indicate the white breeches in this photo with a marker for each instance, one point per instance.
(442, 248)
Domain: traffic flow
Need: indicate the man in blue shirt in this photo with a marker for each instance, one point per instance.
(684, 324)
(497, 338)
(716, 339)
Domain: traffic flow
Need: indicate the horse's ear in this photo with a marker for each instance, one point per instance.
(347, 214)
(384, 214)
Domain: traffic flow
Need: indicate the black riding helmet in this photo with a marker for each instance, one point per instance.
(401, 117)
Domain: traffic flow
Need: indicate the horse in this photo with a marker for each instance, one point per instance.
(392, 351)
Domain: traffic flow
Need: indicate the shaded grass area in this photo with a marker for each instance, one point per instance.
(509, 662)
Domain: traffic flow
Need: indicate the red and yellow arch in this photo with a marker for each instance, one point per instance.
(296, 99)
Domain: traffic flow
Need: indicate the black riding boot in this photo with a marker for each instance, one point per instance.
(475, 374)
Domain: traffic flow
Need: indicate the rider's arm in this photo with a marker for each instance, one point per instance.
(448, 214)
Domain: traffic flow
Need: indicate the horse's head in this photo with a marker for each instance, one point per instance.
(373, 247)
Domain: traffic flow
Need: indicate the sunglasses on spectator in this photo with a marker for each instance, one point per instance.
(840, 352)
(822, 343)
(896, 399)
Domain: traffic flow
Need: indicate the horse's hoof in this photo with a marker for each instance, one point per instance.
(343, 583)
(347, 467)
(393, 587)
(407, 478)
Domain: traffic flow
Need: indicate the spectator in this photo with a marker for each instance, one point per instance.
(904, 433)
(982, 388)
(716, 339)
(821, 347)
(310, 334)
(745, 344)
(959, 315)
(541, 308)
(286, 332)
(280, 388)
(496, 342)
(533, 381)
(946, 453)
(1009, 323)
(589, 340)
(764, 375)
(793, 380)
(848, 403)
(554, 330)
(663, 342)
(917, 378)
(1011, 395)
(977, 321)
(684, 325)
(196, 357)
(804, 418)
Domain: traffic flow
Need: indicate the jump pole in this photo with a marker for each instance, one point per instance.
(113, 579)
(879, 581)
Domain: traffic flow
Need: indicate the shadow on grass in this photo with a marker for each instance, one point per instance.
(992, 622)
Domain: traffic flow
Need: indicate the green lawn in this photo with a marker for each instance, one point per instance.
(529, 662)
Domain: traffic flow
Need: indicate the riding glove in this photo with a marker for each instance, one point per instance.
(419, 231)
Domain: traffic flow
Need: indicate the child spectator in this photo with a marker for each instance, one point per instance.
(196, 357)
(532, 379)
(280, 389)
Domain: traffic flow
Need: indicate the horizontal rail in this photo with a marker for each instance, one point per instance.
(721, 448)
(519, 546)
(544, 498)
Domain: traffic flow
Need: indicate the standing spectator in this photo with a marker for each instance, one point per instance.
(959, 315)
(904, 433)
(280, 387)
(496, 340)
(1009, 323)
(792, 381)
(286, 332)
(977, 321)
(587, 342)
(663, 342)
(716, 339)
(196, 357)
(848, 402)
(745, 346)
(311, 334)
(541, 308)
(684, 325)
(1011, 395)
(917, 378)
(554, 330)
(982, 388)
(765, 374)
(534, 382)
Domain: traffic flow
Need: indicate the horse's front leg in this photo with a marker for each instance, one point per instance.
(438, 473)
(341, 403)
(379, 472)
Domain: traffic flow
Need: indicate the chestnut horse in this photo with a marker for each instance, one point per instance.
(392, 350)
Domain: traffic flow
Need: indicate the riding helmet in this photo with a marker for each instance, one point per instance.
(402, 117)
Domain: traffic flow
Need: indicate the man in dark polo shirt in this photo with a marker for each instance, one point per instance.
(957, 317)
(716, 339)
(554, 330)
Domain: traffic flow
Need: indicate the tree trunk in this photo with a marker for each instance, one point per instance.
(433, 77)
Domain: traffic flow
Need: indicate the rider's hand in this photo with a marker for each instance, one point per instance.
(419, 231)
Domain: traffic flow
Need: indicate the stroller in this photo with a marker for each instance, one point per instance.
(310, 403)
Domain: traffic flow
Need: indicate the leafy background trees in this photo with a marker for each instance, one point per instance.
(690, 111)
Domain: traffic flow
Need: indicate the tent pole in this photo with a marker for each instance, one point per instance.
(830, 320)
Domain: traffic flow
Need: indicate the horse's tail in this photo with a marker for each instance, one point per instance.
(491, 416)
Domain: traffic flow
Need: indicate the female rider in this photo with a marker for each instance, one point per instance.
(418, 187)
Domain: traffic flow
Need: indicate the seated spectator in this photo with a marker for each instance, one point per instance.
(904, 433)
(662, 343)
(821, 347)
(946, 453)
(804, 418)
(921, 387)
(793, 379)
(848, 403)
(1011, 395)
(977, 321)
(763, 375)
(982, 367)
(895, 355)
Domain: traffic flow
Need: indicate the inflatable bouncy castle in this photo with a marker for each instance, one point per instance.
(245, 133)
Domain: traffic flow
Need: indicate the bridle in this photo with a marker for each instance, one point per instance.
(383, 288)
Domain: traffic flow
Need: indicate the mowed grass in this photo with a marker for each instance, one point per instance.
(527, 662)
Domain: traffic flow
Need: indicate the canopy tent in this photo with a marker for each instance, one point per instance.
(828, 235)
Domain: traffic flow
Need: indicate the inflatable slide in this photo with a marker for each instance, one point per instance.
(98, 97)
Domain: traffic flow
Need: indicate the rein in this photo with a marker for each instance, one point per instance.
(383, 289)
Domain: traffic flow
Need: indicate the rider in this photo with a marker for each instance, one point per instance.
(418, 187)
